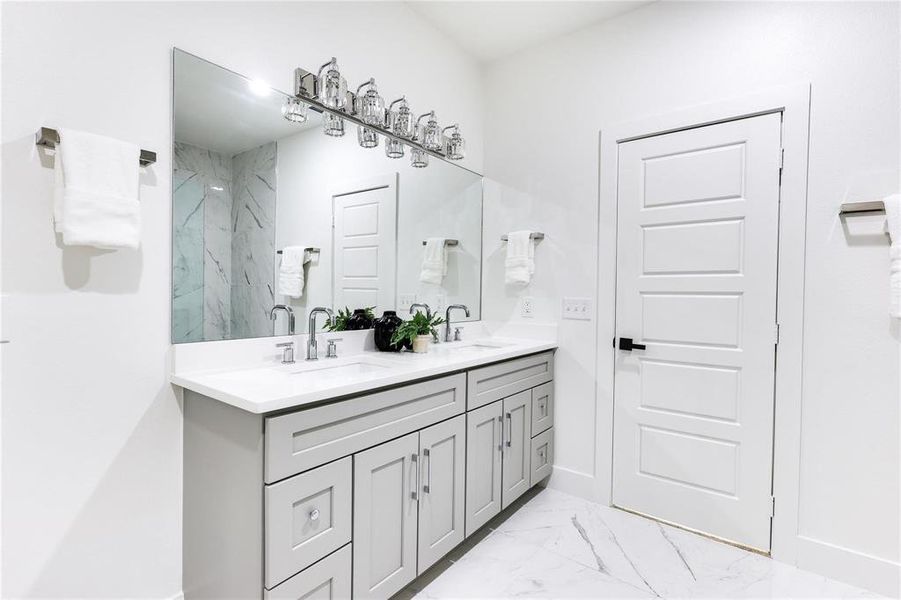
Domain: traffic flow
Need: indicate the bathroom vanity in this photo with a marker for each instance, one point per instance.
(295, 488)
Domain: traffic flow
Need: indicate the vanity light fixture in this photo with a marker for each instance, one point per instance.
(294, 110)
(332, 88)
(454, 145)
(419, 158)
(326, 92)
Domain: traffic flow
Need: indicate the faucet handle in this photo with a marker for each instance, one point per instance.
(287, 353)
(458, 334)
(332, 350)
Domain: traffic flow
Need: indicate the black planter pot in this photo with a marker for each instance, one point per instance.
(385, 328)
(359, 320)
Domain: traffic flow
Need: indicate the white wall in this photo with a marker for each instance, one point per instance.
(91, 433)
(543, 158)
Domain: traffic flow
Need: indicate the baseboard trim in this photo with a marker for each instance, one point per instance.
(851, 566)
(178, 596)
(572, 482)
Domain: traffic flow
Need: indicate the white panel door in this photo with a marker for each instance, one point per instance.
(484, 443)
(385, 514)
(365, 244)
(442, 449)
(697, 219)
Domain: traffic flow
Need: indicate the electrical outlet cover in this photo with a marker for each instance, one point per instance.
(527, 307)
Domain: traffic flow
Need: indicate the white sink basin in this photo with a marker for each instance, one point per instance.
(331, 368)
(476, 346)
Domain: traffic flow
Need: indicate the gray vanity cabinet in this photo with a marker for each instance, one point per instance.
(385, 515)
(516, 475)
(358, 496)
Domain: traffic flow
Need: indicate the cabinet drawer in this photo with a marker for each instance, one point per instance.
(542, 455)
(302, 440)
(542, 407)
(487, 384)
(329, 578)
(306, 517)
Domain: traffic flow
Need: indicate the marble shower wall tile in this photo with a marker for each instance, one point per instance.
(253, 240)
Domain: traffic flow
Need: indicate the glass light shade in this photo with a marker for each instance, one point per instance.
(332, 125)
(371, 107)
(456, 146)
(419, 158)
(402, 121)
(332, 87)
(368, 138)
(431, 135)
(394, 148)
(294, 110)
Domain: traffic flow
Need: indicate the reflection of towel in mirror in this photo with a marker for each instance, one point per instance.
(434, 261)
(893, 225)
(520, 262)
(96, 196)
(290, 272)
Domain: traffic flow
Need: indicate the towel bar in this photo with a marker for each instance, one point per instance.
(449, 242)
(311, 250)
(868, 206)
(49, 138)
(534, 236)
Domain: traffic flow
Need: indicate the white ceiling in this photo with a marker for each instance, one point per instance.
(494, 29)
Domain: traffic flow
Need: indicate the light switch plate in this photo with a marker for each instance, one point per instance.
(580, 309)
(406, 300)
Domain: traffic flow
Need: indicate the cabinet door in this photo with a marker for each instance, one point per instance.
(385, 509)
(441, 510)
(483, 464)
(517, 446)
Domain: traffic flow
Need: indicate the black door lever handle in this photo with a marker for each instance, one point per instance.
(627, 344)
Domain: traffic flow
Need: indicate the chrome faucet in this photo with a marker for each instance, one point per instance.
(288, 311)
(448, 336)
(428, 315)
(312, 347)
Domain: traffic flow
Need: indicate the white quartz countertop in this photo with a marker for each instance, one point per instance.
(274, 386)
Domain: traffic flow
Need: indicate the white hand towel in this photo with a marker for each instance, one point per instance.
(520, 262)
(893, 225)
(290, 271)
(434, 261)
(96, 196)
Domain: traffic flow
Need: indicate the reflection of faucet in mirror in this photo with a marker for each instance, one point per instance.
(448, 336)
(428, 315)
(312, 347)
(288, 311)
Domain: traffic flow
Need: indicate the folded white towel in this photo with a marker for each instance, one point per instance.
(893, 225)
(96, 196)
(520, 261)
(290, 271)
(434, 261)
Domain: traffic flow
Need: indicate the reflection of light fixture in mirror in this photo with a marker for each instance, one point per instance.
(259, 87)
(429, 135)
(370, 106)
(400, 121)
(332, 89)
(332, 125)
(294, 110)
(455, 145)
(368, 138)
(394, 148)
(419, 158)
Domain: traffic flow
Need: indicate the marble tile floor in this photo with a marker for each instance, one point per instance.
(553, 545)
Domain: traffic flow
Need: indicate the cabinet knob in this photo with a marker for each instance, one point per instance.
(314, 514)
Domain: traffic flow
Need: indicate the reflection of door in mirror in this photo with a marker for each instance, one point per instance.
(365, 243)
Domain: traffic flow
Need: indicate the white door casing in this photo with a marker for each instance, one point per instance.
(697, 243)
(365, 243)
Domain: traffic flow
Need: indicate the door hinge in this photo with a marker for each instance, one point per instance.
(772, 506)
(776, 334)
(781, 163)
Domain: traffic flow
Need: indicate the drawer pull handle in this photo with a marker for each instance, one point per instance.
(314, 514)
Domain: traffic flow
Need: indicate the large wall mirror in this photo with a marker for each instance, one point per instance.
(248, 183)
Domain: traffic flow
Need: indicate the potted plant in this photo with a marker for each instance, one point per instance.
(418, 331)
(361, 318)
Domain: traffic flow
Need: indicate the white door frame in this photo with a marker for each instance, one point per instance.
(794, 103)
